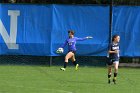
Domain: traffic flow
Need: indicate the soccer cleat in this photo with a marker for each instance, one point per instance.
(109, 81)
(114, 80)
(77, 65)
(63, 69)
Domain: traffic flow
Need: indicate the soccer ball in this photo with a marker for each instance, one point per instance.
(60, 50)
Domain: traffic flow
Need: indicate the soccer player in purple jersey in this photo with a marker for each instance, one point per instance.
(71, 42)
(113, 58)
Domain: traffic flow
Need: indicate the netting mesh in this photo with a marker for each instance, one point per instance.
(46, 60)
(82, 60)
(115, 2)
(59, 60)
(126, 2)
(24, 60)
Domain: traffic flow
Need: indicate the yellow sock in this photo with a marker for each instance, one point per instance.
(114, 78)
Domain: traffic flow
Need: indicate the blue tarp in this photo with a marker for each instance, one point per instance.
(41, 29)
(126, 23)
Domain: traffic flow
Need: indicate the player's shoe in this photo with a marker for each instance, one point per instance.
(76, 67)
(63, 69)
(114, 80)
(109, 81)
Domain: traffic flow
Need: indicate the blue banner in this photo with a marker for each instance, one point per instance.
(126, 23)
(41, 29)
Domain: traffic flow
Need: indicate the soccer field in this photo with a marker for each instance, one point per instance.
(41, 79)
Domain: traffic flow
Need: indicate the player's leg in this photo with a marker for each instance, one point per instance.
(74, 62)
(109, 73)
(116, 64)
(67, 57)
(109, 63)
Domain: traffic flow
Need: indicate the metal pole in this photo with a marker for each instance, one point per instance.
(110, 21)
(110, 24)
(50, 61)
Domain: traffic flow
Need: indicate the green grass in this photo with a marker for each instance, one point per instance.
(39, 79)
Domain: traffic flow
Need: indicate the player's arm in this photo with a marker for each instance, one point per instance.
(85, 38)
(65, 43)
(59, 50)
(110, 51)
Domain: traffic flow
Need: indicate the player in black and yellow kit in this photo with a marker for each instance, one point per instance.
(113, 58)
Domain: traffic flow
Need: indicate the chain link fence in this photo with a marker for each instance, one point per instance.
(126, 2)
(83, 60)
(59, 60)
(114, 2)
(48, 61)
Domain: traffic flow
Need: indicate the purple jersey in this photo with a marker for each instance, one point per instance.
(72, 42)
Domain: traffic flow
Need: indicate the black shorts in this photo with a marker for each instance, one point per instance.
(73, 52)
(110, 61)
